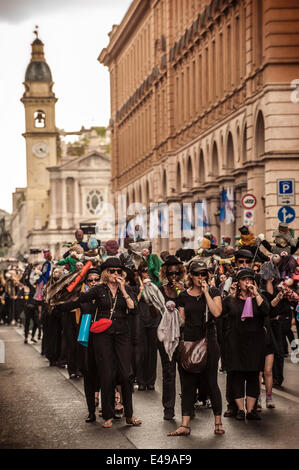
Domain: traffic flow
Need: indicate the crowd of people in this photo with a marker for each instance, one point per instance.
(106, 312)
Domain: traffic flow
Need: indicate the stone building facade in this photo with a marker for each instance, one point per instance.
(68, 173)
(203, 96)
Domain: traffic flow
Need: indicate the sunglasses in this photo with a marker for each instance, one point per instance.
(93, 280)
(112, 271)
(144, 270)
(246, 261)
(199, 273)
(173, 273)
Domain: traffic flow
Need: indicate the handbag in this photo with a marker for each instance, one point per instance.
(104, 323)
(193, 354)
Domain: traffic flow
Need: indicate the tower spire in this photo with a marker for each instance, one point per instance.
(36, 31)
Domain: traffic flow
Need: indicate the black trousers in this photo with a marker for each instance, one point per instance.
(240, 379)
(231, 404)
(148, 352)
(112, 352)
(189, 382)
(134, 324)
(70, 334)
(30, 314)
(168, 379)
(90, 376)
(52, 333)
(277, 329)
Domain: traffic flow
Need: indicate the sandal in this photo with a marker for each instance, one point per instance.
(218, 429)
(108, 423)
(133, 421)
(184, 433)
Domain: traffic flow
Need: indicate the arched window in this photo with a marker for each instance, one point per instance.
(178, 179)
(215, 165)
(201, 168)
(39, 118)
(260, 135)
(244, 147)
(189, 174)
(230, 153)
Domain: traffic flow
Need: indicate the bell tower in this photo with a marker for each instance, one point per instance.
(40, 135)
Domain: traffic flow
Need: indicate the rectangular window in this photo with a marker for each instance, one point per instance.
(213, 72)
(200, 85)
(229, 61)
(207, 83)
(188, 94)
(221, 65)
(193, 90)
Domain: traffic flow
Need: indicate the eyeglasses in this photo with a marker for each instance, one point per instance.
(93, 280)
(173, 273)
(112, 271)
(199, 273)
(244, 261)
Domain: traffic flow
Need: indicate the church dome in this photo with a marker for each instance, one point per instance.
(38, 71)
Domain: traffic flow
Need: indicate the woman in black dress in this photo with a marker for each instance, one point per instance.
(172, 275)
(112, 348)
(245, 341)
(198, 306)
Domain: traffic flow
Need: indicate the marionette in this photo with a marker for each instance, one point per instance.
(251, 243)
(283, 241)
(45, 274)
(73, 261)
(285, 288)
(270, 269)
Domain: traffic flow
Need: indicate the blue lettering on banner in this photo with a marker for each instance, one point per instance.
(286, 214)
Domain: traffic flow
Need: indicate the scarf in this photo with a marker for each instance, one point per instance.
(247, 310)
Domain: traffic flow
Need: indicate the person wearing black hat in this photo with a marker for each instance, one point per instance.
(112, 348)
(198, 306)
(149, 319)
(245, 341)
(172, 275)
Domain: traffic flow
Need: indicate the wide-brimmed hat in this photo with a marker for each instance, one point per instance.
(171, 261)
(245, 272)
(112, 262)
(197, 266)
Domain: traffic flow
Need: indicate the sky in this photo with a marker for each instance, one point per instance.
(73, 32)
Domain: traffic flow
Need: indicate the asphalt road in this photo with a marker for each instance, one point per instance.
(40, 408)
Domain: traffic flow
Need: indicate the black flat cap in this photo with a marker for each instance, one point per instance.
(243, 253)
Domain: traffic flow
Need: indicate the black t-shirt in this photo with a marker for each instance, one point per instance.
(195, 309)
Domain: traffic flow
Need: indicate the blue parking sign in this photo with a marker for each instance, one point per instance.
(286, 187)
(286, 214)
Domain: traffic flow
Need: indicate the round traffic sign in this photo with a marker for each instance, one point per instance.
(286, 214)
(248, 201)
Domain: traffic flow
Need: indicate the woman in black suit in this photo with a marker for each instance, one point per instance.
(112, 348)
